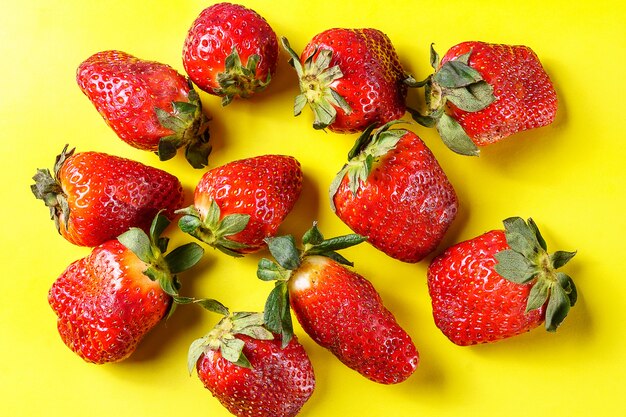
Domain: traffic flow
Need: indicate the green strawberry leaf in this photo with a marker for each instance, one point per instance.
(335, 243)
(538, 295)
(284, 250)
(277, 313)
(566, 282)
(533, 226)
(139, 243)
(514, 267)
(158, 226)
(560, 258)
(232, 351)
(471, 98)
(434, 57)
(455, 137)
(456, 73)
(270, 271)
(557, 309)
(313, 236)
(196, 349)
(232, 224)
(189, 223)
(184, 257)
(197, 152)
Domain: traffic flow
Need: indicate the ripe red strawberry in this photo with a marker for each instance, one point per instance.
(393, 191)
(230, 51)
(108, 301)
(148, 104)
(249, 372)
(499, 284)
(336, 307)
(482, 93)
(239, 204)
(93, 197)
(351, 78)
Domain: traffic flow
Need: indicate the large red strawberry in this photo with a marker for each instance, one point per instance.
(93, 197)
(336, 307)
(499, 284)
(239, 204)
(148, 104)
(108, 301)
(249, 372)
(482, 93)
(230, 51)
(393, 191)
(351, 78)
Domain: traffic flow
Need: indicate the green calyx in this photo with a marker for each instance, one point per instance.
(239, 80)
(460, 84)
(528, 261)
(162, 267)
(222, 338)
(47, 187)
(367, 150)
(191, 131)
(214, 230)
(288, 258)
(316, 78)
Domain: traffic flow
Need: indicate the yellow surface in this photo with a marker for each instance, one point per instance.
(569, 177)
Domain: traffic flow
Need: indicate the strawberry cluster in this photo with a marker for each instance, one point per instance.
(391, 192)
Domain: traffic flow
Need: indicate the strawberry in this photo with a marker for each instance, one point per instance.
(230, 51)
(393, 191)
(338, 308)
(239, 204)
(93, 197)
(351, 78)
(108, 301)
(482, 93)
(245, 367)
(148, 104)
(499, 284)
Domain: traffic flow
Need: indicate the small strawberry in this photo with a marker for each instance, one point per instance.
(337, 308)
(249, 372)
(393, 191)
(482, 93)
(108, 301)
(351, 78)
(239, 204)
(93, 197)
(148, 104)
(499, 284)
(230, 51)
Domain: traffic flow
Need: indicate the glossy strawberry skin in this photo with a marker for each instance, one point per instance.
(524, 95)
(105, 304)
(108, 194)
(373, 79)
(405, 206)
(264, 187)
(471, 302)
(212, 37)
(278, 384)
(125, 90)
(343, 312)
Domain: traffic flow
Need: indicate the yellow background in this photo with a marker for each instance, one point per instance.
(569, 177)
